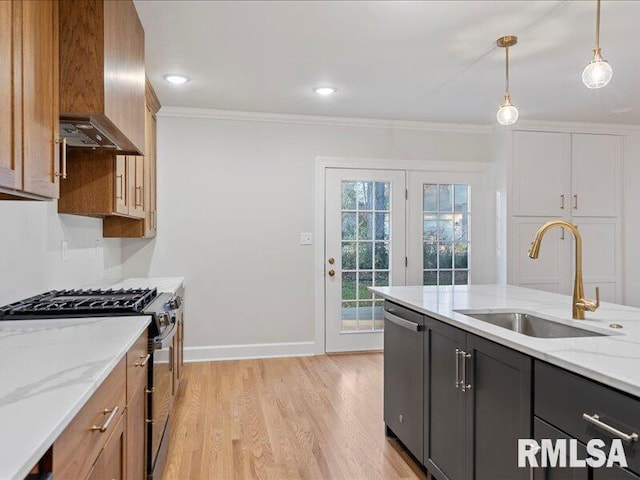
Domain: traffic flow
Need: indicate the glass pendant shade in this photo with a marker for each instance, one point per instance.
(597, 73)
(507, 114)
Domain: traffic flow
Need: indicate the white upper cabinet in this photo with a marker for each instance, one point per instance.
(541, 173)
(595, 175)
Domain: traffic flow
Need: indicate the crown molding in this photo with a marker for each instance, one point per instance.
(205, 113)
(574, 127)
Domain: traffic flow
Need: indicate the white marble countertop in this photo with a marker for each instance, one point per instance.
(163, 284)
(613, 360)
(48, 371)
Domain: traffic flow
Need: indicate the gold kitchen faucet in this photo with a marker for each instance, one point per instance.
(580, 304)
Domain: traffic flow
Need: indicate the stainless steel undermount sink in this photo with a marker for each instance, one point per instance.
(531, 325)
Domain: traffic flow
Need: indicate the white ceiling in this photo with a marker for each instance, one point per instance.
(431, 60)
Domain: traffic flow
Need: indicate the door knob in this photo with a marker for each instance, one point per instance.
(332, 273)
(331, 261)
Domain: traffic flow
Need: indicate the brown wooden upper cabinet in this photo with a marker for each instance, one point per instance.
(117, 226)
(102, 75)
(29, 89)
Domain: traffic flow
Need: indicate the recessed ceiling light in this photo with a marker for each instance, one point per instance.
(325, 91)
(176, 78)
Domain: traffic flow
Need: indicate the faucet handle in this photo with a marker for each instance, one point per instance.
(590, 305)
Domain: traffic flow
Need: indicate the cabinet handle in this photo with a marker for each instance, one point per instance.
(595, 420)
(135, 197)
(562, 202)
(121, 185)
(562, 235)
(458, 382)
(171, 359)
(464, 384)
(402, 322)
(575, 201)
(63, 142)
(103, 428)
(144, 362)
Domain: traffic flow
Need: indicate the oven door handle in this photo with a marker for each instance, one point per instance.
(164, 341)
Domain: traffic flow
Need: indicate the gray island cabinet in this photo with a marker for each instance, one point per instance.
(466, 400)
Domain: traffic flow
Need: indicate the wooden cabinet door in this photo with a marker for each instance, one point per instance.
(135, 182)
(110, 464)
(499, 408)
(40, 97)
(550, 271)
(542, 430)
(602, 257)
(150, 179)
(445, 439)
(541, 172)
(595, 175)
(136, 434)
(10, 94)
(121, 190)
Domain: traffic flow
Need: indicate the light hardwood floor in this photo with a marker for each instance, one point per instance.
(289, 418)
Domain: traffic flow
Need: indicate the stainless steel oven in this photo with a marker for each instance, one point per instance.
(161, 389)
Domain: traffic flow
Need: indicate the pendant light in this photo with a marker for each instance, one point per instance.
(598, 72)
(507, 113)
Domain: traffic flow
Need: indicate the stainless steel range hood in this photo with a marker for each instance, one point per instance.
(84, 133)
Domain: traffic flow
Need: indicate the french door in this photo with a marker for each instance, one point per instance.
(395, 227)
(364, 246)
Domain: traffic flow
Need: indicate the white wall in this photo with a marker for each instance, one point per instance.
(233, 197)
(631, 223)
(31, 235)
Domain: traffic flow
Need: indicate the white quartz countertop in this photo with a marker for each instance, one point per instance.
(163, 284)
(613, 360)
(48, 371)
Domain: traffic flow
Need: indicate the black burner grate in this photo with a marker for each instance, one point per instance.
(77, 303)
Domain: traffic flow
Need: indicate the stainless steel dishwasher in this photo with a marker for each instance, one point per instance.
(404, 376)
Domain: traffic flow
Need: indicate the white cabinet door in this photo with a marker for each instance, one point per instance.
(549, 271)
(595, 175)
(541, 170)
(602, 258)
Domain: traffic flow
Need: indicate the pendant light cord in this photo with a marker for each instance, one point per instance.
(506, 77)
(597, 47)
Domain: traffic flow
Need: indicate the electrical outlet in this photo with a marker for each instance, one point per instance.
(306, 239)
(64, 248)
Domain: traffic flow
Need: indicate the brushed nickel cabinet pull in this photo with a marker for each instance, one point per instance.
(150, 390)
(595, 420)
(144, 362)
(575, 201)
(562, 201)
(465, 386)
(103, 428)
(458, 382)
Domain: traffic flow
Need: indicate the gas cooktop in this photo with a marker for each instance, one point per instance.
(80, 303)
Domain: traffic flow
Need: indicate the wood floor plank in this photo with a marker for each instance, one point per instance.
(285, 419)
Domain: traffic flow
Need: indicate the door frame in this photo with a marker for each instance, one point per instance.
(319, 254)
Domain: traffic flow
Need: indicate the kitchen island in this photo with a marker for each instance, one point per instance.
(50, 369)
(480, 387)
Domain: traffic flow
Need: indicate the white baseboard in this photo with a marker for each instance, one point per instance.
(241, 352)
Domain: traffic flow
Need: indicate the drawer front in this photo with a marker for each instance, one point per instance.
(77, 448)
(137, 364)
(561, 398)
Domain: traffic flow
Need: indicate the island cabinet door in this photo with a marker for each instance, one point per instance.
(542, 430)
(445, 433)
(497, 383)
